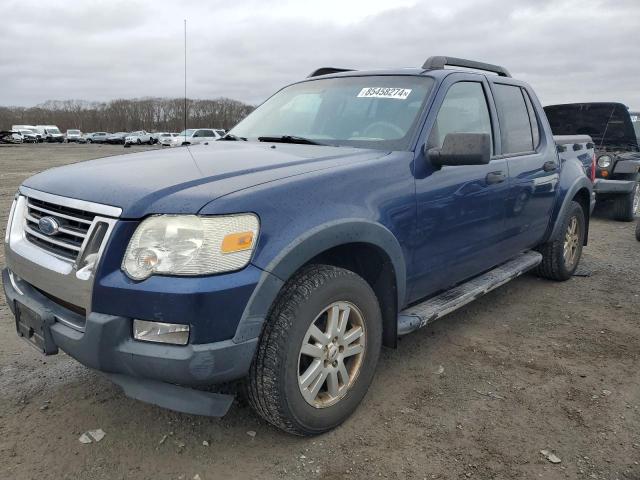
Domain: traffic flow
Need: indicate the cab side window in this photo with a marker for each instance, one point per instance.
(515, 124)
(464, 110)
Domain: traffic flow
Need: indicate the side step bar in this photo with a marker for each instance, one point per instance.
(419, 315)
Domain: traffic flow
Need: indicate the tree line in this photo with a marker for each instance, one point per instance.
(151, 114)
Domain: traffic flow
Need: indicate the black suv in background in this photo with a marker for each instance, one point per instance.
(615, 132)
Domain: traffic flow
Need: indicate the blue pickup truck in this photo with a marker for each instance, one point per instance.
(350, 208)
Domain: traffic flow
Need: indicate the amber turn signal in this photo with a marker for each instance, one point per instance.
(237, 242)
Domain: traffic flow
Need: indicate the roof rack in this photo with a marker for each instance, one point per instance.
(438, 63)
(327, 71)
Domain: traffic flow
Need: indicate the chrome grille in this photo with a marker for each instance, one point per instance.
(73, 228)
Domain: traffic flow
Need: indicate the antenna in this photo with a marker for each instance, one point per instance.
(185, 79)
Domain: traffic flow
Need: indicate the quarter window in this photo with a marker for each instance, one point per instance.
(515, 126)
(464, 110)
(535, 127)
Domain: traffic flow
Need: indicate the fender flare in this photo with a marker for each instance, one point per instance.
(304, 248)
(580, 183)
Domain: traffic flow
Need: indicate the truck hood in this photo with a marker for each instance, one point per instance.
(183, 180)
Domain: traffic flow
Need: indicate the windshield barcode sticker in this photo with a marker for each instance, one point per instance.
(384, 92)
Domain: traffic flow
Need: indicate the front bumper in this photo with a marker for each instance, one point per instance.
(613, 187)
(146, 371)
(107, 344)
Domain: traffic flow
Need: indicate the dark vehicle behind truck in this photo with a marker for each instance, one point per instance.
(615, 132)
(348, 209)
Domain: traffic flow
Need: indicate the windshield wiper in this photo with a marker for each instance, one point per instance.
(289, 139)
(232, 137)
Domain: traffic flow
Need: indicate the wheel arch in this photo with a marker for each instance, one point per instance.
(580, 191)
(367, 248)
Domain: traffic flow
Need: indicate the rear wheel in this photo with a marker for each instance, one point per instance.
(318, 352)
(561, 256)
(627, 207)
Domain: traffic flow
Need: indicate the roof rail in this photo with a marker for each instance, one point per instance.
(438, 63)
(327, 71)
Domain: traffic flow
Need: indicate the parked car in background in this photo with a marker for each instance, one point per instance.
(288, 253)
(117, 138)
(193, 136)
(168, 140)
(158, 136)
(96, 137)
(32, 128)
(28, 136)
(139, 138)
(10, 136)
(615, 132)
(50, 133)
(73, 136)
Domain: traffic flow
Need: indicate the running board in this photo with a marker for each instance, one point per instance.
(419, 315)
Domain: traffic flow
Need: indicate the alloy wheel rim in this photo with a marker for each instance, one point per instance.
(571, 243)
(331, 354)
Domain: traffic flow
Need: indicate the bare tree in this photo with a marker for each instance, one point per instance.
(151, 114)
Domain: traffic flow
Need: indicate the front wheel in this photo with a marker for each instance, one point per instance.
(318, 352)
(561, 256)
(627, 207)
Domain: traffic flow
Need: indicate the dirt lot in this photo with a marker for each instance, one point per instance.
(534, 365)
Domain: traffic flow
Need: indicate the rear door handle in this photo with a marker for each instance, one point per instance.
(549, 166)
(496, 177)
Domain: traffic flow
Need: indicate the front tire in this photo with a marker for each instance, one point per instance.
(627, 207)
(318, 351)
(561, 257)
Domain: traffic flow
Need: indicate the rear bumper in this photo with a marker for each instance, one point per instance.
(613, 187)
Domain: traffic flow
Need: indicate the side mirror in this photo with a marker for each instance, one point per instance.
(462, 149)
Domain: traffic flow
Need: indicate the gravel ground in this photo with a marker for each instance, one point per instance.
(533, 366)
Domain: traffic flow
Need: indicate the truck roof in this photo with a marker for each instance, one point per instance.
(431, 65)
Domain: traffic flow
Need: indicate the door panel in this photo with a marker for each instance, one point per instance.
(533, 175)
(460, 209)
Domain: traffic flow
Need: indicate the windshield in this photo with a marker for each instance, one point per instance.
(371, 112)
(73, 132)
(53, 130)
(25, 131)
(187, 133)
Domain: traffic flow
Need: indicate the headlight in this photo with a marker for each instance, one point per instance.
(604, 161)
(190, 245)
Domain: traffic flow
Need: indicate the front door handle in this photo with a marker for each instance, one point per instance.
(549, 166)
(496, 177)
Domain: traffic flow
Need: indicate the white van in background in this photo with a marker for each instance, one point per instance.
(17, 128)
(50, 133)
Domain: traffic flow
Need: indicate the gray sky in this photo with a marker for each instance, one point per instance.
(245, 49)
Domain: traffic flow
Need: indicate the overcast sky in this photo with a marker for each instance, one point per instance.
(245, 49)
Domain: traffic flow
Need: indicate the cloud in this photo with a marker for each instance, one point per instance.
(568, 50)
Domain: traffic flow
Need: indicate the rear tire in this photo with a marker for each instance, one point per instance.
(626, 207)
(291, 361)
(561, 257)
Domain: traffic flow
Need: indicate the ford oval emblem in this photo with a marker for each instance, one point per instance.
(48, 225)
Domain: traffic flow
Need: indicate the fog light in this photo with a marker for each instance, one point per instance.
(160, 332)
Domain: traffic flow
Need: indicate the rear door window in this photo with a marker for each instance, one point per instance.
(515, 125)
